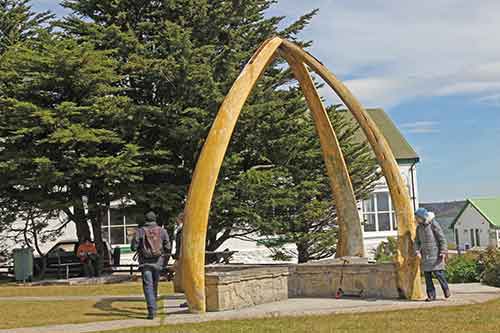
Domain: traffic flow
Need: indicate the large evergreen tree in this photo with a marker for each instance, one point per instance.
(65, 131)
(19, 23)
(294, 204)
(182, 56)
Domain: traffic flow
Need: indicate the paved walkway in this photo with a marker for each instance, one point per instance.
(463, 294)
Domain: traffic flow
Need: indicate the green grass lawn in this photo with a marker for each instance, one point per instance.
(16, 314)
(470, 318)
(118, 289)
(41, 313)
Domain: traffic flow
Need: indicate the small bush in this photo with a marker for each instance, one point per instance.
(386, 251)
(463, 269)
(489, 262)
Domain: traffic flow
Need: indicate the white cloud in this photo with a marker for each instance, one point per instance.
(469, 87)
(389, 51)
(490, 99)
(420, 127)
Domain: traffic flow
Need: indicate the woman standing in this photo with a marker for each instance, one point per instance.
(431, 247)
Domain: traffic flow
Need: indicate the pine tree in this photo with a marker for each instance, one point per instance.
(64, 131)
(18, 22)
(297, 207)
(182, 56)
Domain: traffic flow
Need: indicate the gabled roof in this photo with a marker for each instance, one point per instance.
(489, 208)
(400, 147)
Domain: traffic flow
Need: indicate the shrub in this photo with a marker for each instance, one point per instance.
(386, 251)
(462, 269)
(489, 262)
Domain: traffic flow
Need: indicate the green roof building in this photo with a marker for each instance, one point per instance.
(403, 152)
(478, 224)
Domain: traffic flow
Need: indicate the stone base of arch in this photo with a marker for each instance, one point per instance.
(236, 287)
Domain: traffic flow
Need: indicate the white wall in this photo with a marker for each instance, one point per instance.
(250, 252)
(409, 173)
(67, 233)
(472, 219)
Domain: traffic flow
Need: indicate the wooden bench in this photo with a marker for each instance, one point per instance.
(62, 267)
(6, 270)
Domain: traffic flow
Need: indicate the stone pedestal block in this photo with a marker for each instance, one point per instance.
(233, 287)
(245, 287)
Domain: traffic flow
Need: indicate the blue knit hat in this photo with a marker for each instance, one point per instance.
(422, 213)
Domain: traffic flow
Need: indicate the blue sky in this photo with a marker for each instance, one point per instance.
(433, 65)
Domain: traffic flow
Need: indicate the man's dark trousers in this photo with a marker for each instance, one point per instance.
(150, 278)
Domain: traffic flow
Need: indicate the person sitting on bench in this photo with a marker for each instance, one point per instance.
(88, 257)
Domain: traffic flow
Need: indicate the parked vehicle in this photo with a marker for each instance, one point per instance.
(62, 256)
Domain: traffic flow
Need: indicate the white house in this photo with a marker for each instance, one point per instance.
(377, 212)
(478, 224)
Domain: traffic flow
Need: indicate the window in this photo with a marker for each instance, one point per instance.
(472, 243)
(378, 214)
(457, 241)
(478, 239)
(119, 227)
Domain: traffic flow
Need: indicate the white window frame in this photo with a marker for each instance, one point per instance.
(124, 226)
(376, 212)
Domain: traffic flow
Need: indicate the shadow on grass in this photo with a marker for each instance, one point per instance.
(135, 309)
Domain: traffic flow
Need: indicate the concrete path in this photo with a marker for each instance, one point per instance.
(463, 294)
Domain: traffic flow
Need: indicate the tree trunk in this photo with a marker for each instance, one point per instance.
(303, 253)
(96, 230)
(82, 227)
(79, 217)
(35, 237)
(97, 212)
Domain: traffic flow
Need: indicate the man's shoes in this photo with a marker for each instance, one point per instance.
(150, 316)
(430, 298)
(447, 293)
(183, 305)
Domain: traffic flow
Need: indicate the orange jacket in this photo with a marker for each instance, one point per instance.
(85, 249)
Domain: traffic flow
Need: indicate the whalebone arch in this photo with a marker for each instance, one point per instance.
(350, 236)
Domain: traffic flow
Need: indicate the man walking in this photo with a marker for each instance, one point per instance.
(431, 247)
(152, 245)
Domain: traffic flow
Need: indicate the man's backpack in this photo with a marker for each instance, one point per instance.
(152, 243)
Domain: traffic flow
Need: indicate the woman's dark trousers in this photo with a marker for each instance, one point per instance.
(431, 291)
